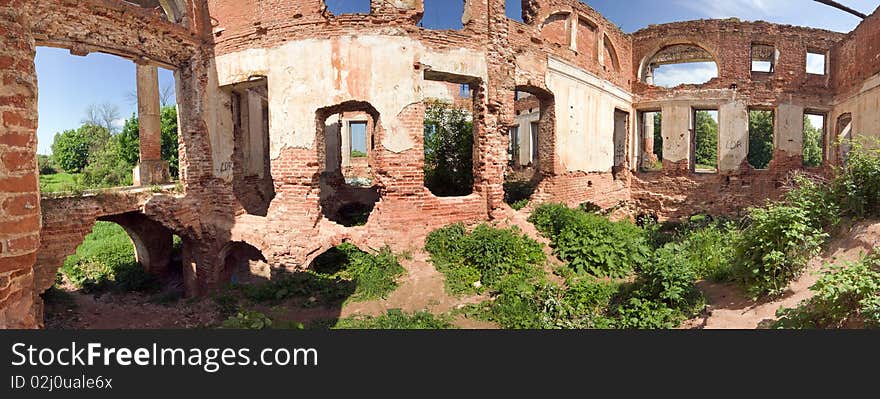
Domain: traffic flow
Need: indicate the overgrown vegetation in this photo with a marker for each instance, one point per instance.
(517, 192)
(760, 138)
(105, 261)
(591, 243)
(846, 296)
(449, 150)
(342, 273)
(484, 257)
(396, 319)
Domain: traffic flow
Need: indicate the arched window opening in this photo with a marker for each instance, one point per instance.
(680, 64)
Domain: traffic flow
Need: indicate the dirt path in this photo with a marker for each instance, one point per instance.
(729, 308)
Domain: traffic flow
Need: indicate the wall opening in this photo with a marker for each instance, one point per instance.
(764, 58)
(443, 14)
(513, 9)
(91, 109)
(761, 137)
(340, 7)
(449, 137)
(651, 143)
(347, 134)
(172, 10)
(704, 154)
(243, 264)
(814, 139)
(680, 64)
(844, 136)
(252, 174)
(816, 63)
(621, 131)
(530, 145)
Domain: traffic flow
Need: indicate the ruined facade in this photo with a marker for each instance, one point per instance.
(258, 81)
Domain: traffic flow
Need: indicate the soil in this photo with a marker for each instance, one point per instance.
(729, 308)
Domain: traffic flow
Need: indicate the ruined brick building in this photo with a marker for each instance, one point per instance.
(269, 92)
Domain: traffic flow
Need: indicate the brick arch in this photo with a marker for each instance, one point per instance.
(666, 44)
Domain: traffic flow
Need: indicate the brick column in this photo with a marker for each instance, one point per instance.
(19, 191)
(151, 169)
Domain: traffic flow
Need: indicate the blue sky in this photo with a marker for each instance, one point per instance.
(69, 84)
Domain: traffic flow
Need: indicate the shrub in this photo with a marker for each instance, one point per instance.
(816, 198)
(46, 165)
(342, 272)
(248, 320)
(845, 296)
(638, 313)
(709, 250)
(485, 255)
(592, 243)
(517, 192)
(857, 185)
(396, 319)
(775, 247)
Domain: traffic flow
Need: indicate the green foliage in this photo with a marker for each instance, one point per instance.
(60, 182)
(358, 154)
(817, 199)
(248, 320)
(106, 168)
(857, 185)
(812, 145)
(71, 148)
(775, 247)
(846, 296)
(449, 147)
(658, 136)
(591, 243)
(127, 144)
(706, 131)
(485, 256)
(45, 165)
(519, 205)
(396, 319)
(709, 250)
(760, 138)
(342, 272)
(105, 261)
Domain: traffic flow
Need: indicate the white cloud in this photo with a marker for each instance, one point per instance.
(752, 9)
(678, 74)
(816, 63)
(118, 123)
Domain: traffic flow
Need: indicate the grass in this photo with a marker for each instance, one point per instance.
(396, 319)
(58, 182)
(106, 261)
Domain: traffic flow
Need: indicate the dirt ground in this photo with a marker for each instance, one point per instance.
(729, 308)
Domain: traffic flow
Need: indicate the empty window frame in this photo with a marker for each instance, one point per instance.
(764, 58)
(705, 140)
(621, 126)
(513, 9)
(513, 146)
(339, 7)
(816, 63)
(534, 129)
(814, 139)
(844, 137)
(761, 133)
(464, 90)
(357, 131)
(651, 144)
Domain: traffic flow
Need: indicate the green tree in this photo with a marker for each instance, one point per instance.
(71, 148)
(128, 140)
(760, 138)
(812, 144)
(449, 146)
(106, 168)
(658, 135)
(706, 127)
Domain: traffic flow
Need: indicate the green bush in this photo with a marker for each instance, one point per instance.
(592, 243)
(845, 296)
(816, 198)
(517, 192)
(396, 319)
(710, 251)
(106, 261)
(343, 272)
(775, 247)
(857, 185)
(485, 255)
(248, 320)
